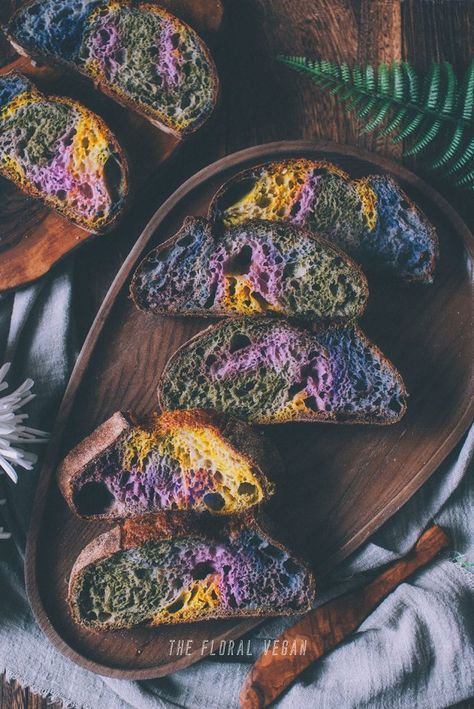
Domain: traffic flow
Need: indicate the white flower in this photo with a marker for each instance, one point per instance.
(13, 432)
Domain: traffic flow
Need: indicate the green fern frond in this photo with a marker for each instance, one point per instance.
(450, 89)
(467, 94)
(398, 118)
(378, 117)
(434, 114)
(412, 80)
(466, 181)
(463, 160)
(398, 83)
(432, 87)
(409, 128)
(428, 133)
(449, 151)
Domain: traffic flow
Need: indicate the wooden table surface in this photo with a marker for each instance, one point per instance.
(262, 101)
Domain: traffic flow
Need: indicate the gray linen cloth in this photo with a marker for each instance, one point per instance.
(415, 650)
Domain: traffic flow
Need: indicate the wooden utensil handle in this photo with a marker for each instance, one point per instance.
(427, 547)
(329, 624)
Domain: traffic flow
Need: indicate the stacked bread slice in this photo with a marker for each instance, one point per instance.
(186, 461)
(137, 53)
(203, 553)
(269, 372)
(168, 569)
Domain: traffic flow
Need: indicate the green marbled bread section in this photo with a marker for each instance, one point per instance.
(42, 125)
(252, 368)
(126, 588)
(181, 91)
(338, 213)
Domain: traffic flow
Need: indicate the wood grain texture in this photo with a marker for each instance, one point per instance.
(333, 492)
(330, 624)
(262, 102)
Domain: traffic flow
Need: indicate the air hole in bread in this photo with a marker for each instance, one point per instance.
(93, 498)
(311, 403)
(240, 263)
(214, 501)
(238, 342)
(272, 551)
(212, 296)
(262, 302)
(246, 489)
(236, 192)
(395, 405)
(176, 606)
(202, 569)
(294, 389)
(285, 579)
(210, 360)
(186, 240)
(290, 566)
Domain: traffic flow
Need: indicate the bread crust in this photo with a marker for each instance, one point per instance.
(319, 416)
(214, 213)
(102, 86)
(207, 225)
(262, 457)
(133, 533)
(55, 204)
(88, 450)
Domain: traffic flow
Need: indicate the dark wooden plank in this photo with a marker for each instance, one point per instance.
(440, 31)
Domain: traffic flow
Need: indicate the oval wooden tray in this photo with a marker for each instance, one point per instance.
(343, 481)
(30, 245)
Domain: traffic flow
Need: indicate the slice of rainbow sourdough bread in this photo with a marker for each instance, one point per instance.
(161, 570)
(252, 269)
(371, 218)
(58, 151)
(184, 461)
(268, 371)
(136, 52)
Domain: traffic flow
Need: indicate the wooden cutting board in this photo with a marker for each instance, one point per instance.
(343, 481)
(32, 237)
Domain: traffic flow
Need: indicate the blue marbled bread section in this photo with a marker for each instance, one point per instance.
(12, 85)
(363, 384)
(177, 275)
(53, 26)
(402, 239)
